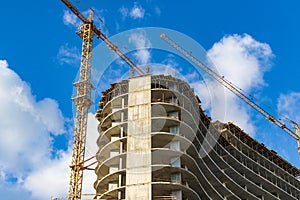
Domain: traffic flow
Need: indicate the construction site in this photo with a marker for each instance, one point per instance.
(157, 143)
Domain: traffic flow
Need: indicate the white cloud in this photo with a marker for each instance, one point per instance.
(242, 60)
(141, 43)
(27, 129)
(143, 56)
(25, 123)
(288, 106)
(139, 40)
(70, 19)
(136, 12)
(55, 176)
(26, 142)
(68, 55)
(55, 172)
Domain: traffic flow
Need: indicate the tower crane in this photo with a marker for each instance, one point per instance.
(233, 89)
(83, 100)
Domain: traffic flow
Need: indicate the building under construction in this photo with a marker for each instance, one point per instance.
(155, 142)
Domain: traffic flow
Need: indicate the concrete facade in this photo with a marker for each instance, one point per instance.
(155, 142)
(138, 162)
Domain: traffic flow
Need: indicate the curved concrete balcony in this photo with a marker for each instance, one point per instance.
(259, 184)
(185, 177)
(169, 157)
(119, 177)
(214, 167)
(165, 109)
(194, 152)
(219, 174)
(171, 141)
(170, 124)
(115, 103)
(250, 182)
(111, 161)
(268, 166)
(274, 182)
(166, 154)
(113, 193)
(226, 192)
(166, 188)
(113, 119)
(175, 98)
(112, 148)
(212, 163)
(111, 134)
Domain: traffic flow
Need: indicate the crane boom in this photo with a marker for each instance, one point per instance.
(228, 85)
(99, 34)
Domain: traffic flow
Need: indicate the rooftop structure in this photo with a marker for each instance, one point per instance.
(155, 142)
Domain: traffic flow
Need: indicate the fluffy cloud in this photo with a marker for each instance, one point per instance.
(136, 12)
(54, 175)
(242, 60)
(68, 55)
(25, 124)
(70, 19)
(28, 128)
(141, 43)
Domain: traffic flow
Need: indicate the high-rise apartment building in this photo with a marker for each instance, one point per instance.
(156, 143)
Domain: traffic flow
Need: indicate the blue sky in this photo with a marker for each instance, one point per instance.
(39, 53)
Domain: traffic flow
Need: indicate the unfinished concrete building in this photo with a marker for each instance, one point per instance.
(155, 143)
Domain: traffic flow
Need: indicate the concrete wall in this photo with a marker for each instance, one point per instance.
(138, 164)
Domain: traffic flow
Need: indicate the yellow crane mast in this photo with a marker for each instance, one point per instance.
(83, 100)
(233, 89)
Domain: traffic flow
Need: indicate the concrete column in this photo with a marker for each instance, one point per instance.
(138, 163)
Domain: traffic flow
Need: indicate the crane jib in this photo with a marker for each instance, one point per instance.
(228, 85)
